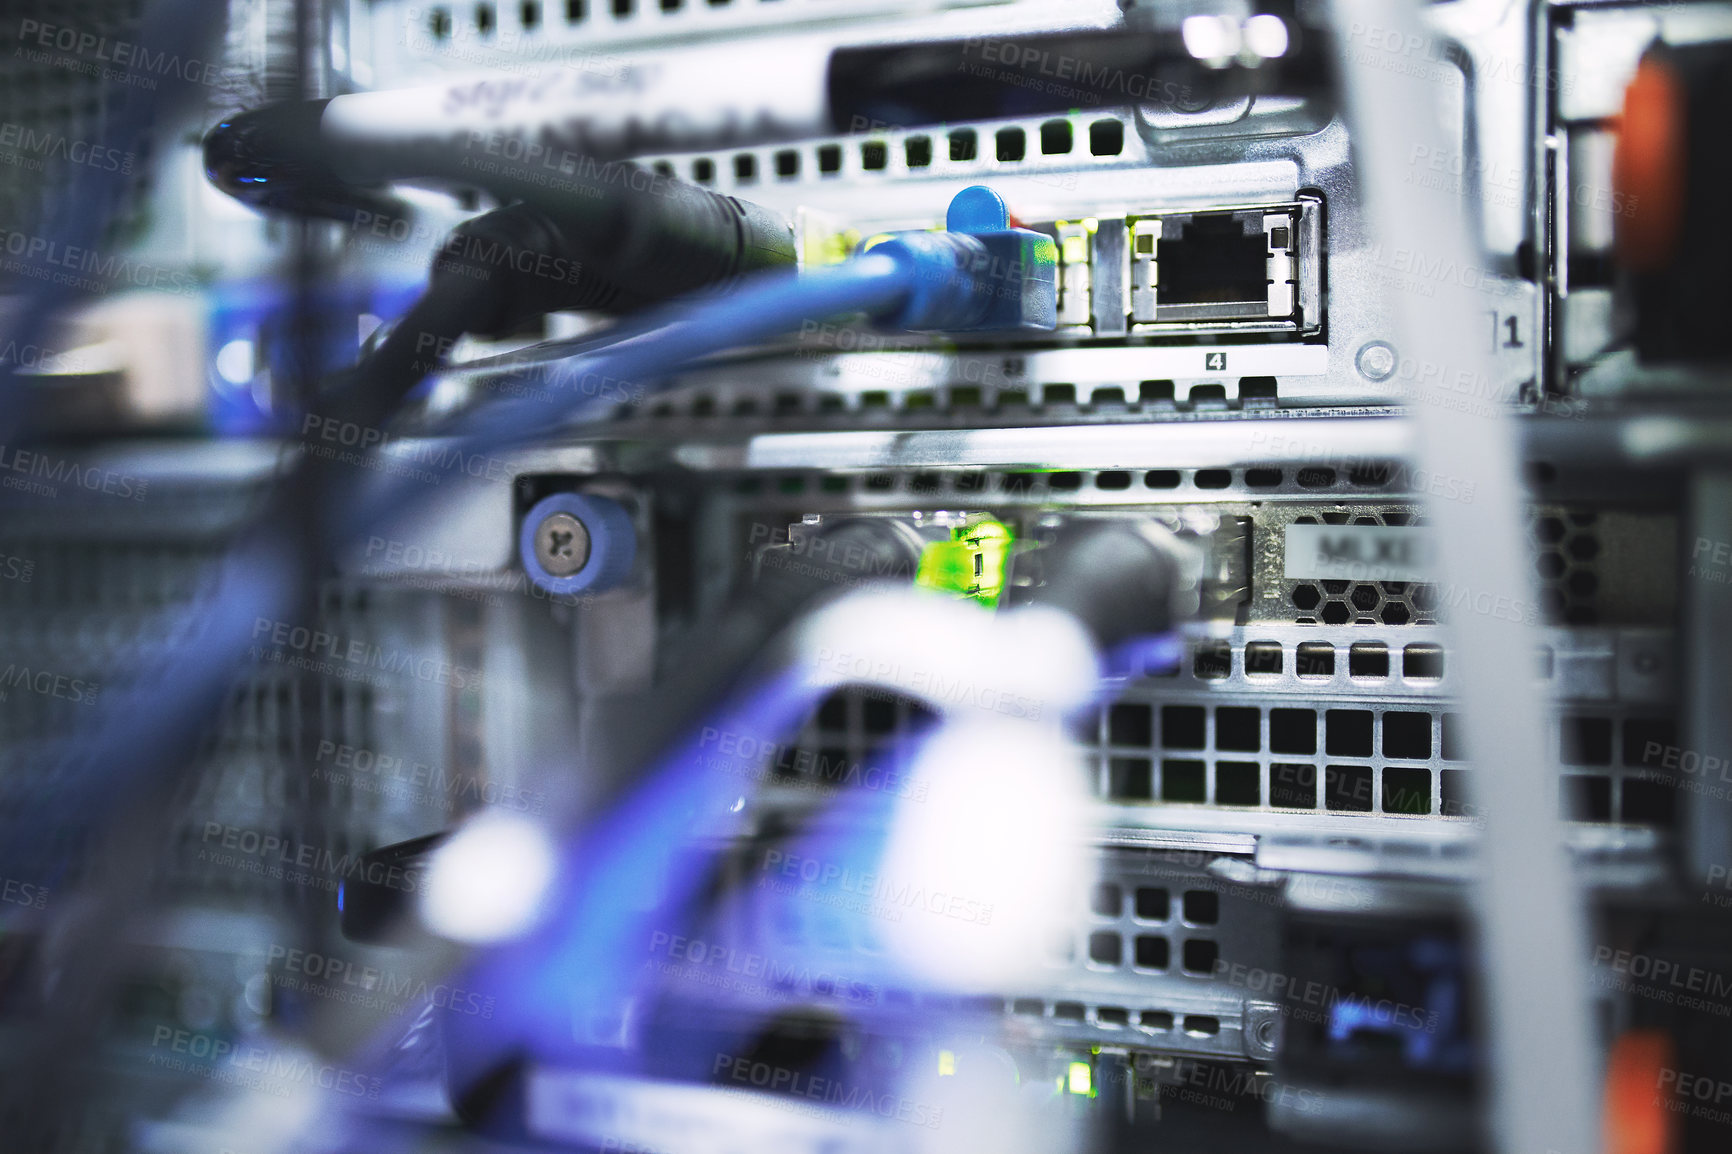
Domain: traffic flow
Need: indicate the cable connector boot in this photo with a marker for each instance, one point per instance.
(980, 275)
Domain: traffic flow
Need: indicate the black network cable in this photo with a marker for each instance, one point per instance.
(653, 237)
(611, 241)
(493, 273)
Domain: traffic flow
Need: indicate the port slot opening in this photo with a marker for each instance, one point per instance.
(1212, 267)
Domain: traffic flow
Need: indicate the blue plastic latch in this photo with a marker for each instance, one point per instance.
(977, 209)
(1019, 273)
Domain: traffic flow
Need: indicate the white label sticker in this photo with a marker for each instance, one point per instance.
(1360, 553)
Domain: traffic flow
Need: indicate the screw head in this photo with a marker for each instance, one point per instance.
(1376, 361)
(1262, 1029)
(561, 544)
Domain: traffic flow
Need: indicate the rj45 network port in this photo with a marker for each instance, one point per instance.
(1234, 268)
(1254, 268)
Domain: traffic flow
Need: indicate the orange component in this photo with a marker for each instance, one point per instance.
(1648, 167)
(1636, 1118)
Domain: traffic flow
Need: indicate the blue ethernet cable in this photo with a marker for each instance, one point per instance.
(588, 949)
(982, 276)
(979, 275)
(618, 877)
(587, 386)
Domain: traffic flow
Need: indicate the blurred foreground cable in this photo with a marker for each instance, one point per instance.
(1111, 582)
(116, 777)
(583, 954)
(1532, 936)
(145, 737)
(50, 1081)
(151, 727)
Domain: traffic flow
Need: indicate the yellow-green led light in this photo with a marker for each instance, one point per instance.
(971, 564)
(826, 248)
(946, 1063)
(1081, 1079)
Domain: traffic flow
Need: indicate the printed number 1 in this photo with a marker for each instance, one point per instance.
(1513, 324)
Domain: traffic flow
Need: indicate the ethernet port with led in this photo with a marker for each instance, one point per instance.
(1212, 268)
(1250, 268)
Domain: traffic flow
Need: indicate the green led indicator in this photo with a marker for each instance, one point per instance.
(972, 563)
(1081, 1079)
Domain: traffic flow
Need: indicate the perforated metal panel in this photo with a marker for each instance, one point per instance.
(400, 42)
(1581, 563)
(1360, 727)
(91, 587)
(58, 98)
(1152, 958)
